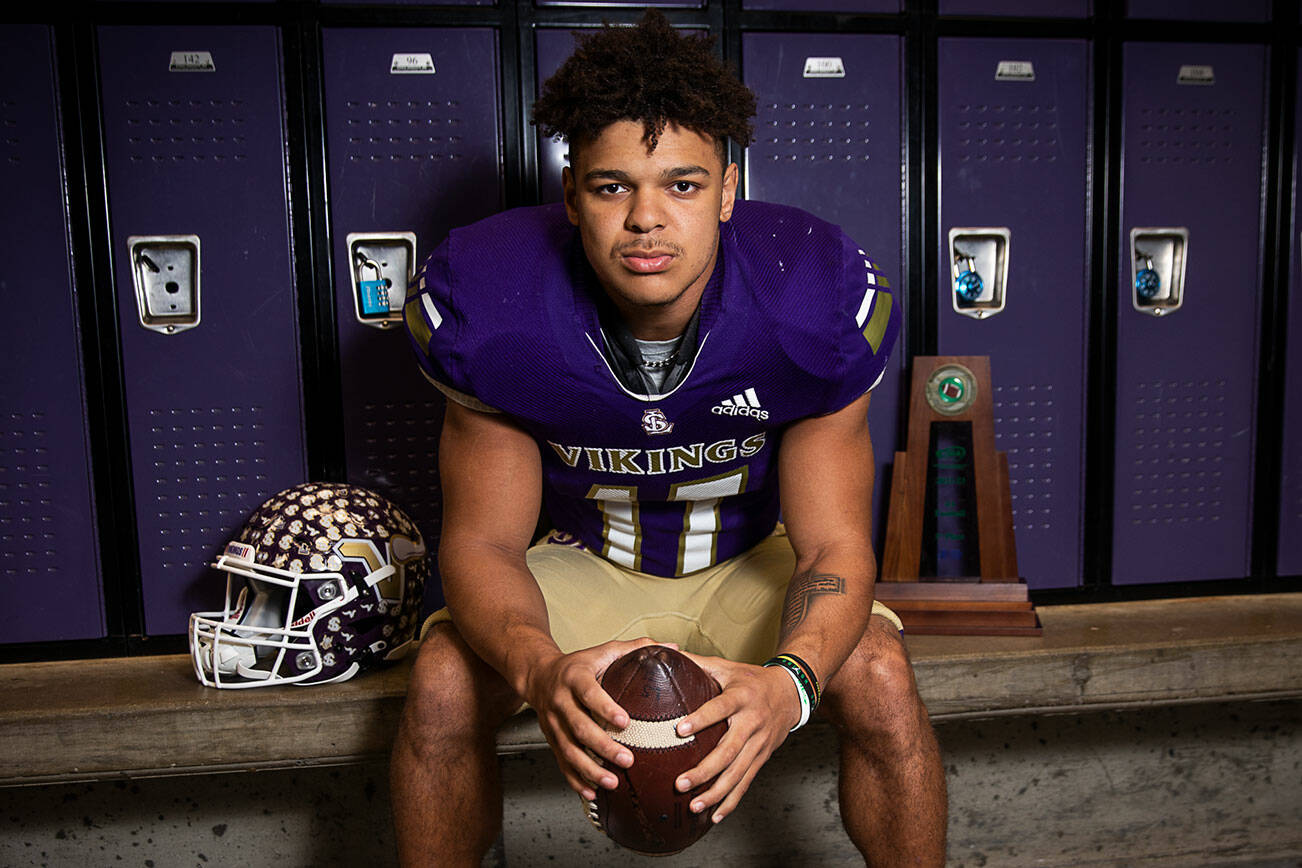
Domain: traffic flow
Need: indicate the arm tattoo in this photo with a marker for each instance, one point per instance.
(801, 593)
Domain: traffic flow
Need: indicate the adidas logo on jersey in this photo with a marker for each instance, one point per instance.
(744, 404)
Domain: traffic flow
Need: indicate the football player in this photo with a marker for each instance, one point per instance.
(663, 369)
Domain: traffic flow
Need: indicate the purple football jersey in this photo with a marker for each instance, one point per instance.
(796, 321)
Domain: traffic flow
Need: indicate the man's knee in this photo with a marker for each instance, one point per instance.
(875, 687)
(452, 691)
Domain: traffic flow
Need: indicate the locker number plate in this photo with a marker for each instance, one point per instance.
(412, 64)
(824, 67)
(191, 61)
(1015, 70)
(1196, 75)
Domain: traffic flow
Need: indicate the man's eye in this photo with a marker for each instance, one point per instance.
(684, 186)
(610, 189)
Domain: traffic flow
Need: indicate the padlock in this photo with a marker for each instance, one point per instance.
(1148, 282)
(968, 285)
(374, 293)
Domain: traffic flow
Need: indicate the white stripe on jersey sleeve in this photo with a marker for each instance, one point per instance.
(435, 318)
(866, 305)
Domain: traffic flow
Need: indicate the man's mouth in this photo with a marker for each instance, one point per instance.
(646, 261)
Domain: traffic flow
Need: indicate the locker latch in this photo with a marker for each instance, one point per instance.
(381, 265)
(1157, 258)
(978, 259)
(165, 272)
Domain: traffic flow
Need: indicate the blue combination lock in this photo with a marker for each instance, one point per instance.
(374, 293)
(968, 284)
(1148, 282)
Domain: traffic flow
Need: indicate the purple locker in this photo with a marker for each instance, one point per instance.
(852, 6)
(828, 139)
(195, 146)
(1022, 8)
(1290, 500)
(1193, 128)
(664, 4)
(409, 152)
(1014, 147)
(411, 2)
(1200, 10)
(553, 48)
(49, 565)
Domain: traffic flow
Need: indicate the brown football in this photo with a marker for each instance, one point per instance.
(657, 686)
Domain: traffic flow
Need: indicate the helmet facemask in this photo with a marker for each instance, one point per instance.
(265, 632)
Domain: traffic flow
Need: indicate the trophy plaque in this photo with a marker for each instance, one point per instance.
(950, 565)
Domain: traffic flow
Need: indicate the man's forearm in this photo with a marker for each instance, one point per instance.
(498, 609)
(828, 603)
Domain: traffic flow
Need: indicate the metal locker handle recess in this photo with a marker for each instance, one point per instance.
(1158, 257)
(165, 273)
(978, 257)
(380, 265)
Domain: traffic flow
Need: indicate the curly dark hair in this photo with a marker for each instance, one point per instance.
(648, 73)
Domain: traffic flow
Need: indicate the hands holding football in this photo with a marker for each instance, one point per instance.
(671, 744)
(657, 743)
(574, 714)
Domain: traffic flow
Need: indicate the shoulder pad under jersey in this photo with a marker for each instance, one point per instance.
(825, 299)
(483, 278)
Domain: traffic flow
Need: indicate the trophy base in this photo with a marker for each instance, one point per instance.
(962, 607)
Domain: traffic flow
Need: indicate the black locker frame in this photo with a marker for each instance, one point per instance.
(301, 22)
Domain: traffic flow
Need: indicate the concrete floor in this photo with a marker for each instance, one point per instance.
(1201, 785)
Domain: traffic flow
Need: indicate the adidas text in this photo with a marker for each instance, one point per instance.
(729, 410)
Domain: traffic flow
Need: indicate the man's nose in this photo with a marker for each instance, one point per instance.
(645, 213)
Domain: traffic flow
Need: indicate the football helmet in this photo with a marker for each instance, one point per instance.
(324, 581)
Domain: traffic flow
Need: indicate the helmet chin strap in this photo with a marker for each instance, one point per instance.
(229, 658)
(258, 674)
(385, 572)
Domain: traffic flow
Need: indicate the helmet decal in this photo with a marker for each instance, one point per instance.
(361, 550)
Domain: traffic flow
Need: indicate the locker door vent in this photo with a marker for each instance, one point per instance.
(169, 132)
(814, 132)
(1026, 428)
(1178, 432)
(9, 121)
(209, 469)
(1007, 133)
(29, 522)
(402, 456)
(396, 130)
(1188, 135)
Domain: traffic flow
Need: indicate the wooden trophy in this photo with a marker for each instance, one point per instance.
(950, 565)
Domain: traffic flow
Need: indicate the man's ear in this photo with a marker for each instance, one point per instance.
(571, 194)
(729, 193)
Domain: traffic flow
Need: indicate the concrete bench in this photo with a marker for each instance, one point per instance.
(147, 716)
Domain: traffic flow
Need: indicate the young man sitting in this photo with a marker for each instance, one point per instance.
(664, 370)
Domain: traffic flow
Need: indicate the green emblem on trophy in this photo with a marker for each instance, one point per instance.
(951, 389)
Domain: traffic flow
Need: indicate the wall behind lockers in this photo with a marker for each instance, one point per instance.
(195, 193)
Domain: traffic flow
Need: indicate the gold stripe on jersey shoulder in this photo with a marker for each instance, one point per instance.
(875, 331)
(416, 322)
